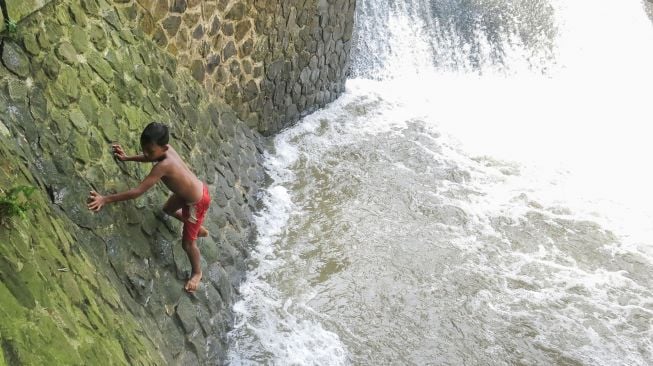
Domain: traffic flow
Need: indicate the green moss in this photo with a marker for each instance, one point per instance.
(15, 202)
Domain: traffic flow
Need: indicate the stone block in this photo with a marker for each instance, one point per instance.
(178, 6)
(241, 29)
(15, 59)
(67, 53)
(19, 9)
(171, 25)
(237, 11)
(100, 66)
(186, 314)
(198, 70)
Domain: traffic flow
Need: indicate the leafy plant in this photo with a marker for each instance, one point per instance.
(12, 27)
(16, 202)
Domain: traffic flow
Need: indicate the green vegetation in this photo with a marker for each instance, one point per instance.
(15, 202)
(12, 27)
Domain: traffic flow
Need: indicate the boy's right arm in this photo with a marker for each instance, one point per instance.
(96, 201)
(119, 153)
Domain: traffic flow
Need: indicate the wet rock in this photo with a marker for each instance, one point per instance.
(188, 359)
(186, 314)
(219, 280)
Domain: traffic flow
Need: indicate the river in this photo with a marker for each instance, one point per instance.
(479, 195)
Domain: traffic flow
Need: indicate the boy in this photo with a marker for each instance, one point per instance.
(190, 197)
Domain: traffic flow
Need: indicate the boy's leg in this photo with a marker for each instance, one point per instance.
(194, 256)
(173, 207)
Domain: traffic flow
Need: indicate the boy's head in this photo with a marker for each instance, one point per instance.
(154, 140)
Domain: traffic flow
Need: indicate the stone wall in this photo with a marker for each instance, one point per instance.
(272, 61)
(106, 288)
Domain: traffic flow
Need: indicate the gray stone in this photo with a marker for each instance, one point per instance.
(241, 29)
(15, 59)
(197, 70)
(198, 33)
(160, 37)
(215, 350)
(38, 104)
(237, 11)
(17, 91)
(186, 314)
(228, 29)
(188, 358)
(171, 25)
(250, 91)
(218, 278)
(212, 62)
(229, 50)
(215, 26)
(234, 68)
(274, 70)
(178, 6)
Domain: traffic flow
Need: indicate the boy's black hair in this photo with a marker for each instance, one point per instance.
(156, 133)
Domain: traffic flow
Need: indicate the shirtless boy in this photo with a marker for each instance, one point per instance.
(190, 197)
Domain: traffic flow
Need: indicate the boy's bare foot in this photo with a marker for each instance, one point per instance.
(203, 232)
(193, 282)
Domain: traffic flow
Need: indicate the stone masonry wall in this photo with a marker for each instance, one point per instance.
(272, 61)
(78, 288)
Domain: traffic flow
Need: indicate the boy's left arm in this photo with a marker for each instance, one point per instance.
(96, 201)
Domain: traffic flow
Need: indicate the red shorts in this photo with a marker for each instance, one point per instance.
(194, 215)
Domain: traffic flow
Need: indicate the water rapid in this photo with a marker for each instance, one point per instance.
(479, 195)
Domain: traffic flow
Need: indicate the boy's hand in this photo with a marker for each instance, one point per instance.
(118, 152)
(95, 201)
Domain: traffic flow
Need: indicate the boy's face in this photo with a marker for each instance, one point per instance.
(153, 151)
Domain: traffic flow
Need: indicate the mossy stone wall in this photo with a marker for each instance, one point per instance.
(77, 75)
(91, 289)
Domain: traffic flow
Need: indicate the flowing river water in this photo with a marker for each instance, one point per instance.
(479, 195)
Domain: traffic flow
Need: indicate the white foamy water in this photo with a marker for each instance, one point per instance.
(465, 212)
